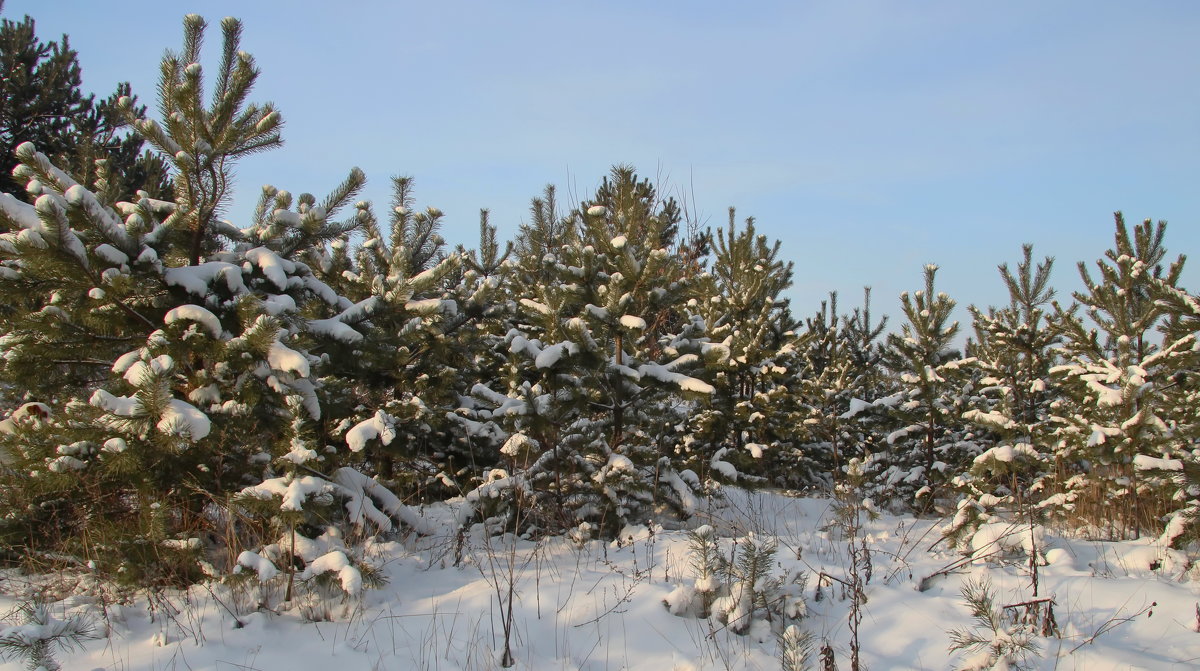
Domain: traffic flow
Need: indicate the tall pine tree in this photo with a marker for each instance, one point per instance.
(1118, 379)
(927, 444)
(154, 366)
(752, 425)
(1014, 350)
(598, 354)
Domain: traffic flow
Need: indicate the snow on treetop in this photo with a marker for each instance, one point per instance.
(633, 323)
(726, 469)
(517, 443)
(540, 308)
(292, 491)
(112, 227)
(597, 211)
(1144, 463)
(195, 279)
(994, 419)
(379, 426)
(178, 417)
(1101, 434)
(275, 268)
(111, 254)
(552, 354)
(336, 562)
(756, 449)
(51, 207)
(684, 382)
(283, 358)
(286, 217)
(277, 304)
(425, 307)
(620, 462)
(183, 419)
(195, 313)
(334, 328)
(257, 563)
(1006, 453)
(140, 371)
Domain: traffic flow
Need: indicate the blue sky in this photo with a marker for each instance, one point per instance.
(870, 137)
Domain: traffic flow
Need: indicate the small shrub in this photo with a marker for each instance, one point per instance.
(741, 589)
(795, 649)
(994, 640)
(40, 634)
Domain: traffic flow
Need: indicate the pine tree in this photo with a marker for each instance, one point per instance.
(928, 443)
(109, 159)
(843, 390)
(39, 96)
(1179, 475)
(41, 102)
(203, 143)
(422, 312)
(752, 425)
(596, 353)
(154, 365)
(546, 233)
(1014, 350)
(1120, 387)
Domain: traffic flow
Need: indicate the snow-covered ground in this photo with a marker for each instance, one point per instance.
(594, 605)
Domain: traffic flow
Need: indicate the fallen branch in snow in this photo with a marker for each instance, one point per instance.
(237, 622)
(1038, 612)
(975, 555)
(639, 576)
(926, 582)
(1031, 602)
(1114, 622)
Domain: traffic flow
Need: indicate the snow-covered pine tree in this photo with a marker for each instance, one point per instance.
(168, 381)
(1180, 474)
(486, 260)
(546, 233)
(927, 444)
(110, 159)
(393, 377)
(842, 359)
(1014, 350)
(598, 351)
(752, 427)
(1120, 387)
(203, 142)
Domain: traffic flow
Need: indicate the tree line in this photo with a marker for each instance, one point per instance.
(185, 395)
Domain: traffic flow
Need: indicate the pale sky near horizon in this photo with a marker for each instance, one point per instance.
(869, 137)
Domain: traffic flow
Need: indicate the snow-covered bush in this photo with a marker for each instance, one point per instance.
(994, 642)
(741, 591)
(39, 634)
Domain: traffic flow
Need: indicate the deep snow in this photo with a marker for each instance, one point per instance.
(595, 605)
